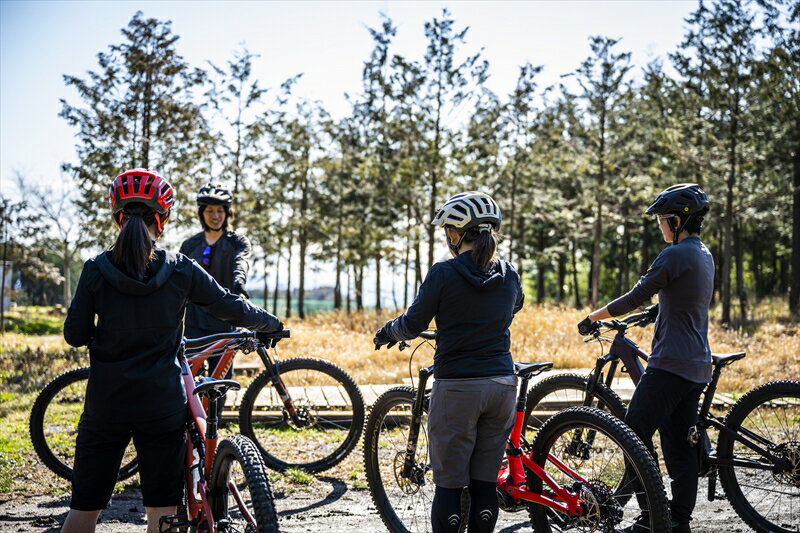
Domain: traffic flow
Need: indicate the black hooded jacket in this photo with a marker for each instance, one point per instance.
(139, 324)
(229, 267)
(473, 311)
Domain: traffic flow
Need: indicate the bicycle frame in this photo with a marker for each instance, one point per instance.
(201, 445)
(230, 343)
(631, 355)
(565, 501)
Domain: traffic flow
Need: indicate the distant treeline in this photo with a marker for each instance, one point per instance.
(572, 169)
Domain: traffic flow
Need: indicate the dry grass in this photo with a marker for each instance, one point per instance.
(539, 333)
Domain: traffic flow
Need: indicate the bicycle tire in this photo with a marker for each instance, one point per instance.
(263, 419)
(382, 451)
(734, 479)
(567, 383)
(608, 430)
(259, 500)
(69, 386)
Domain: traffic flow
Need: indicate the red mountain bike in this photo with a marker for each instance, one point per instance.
(308, 396)
(757, 457)
(227, 489)
(561, 483)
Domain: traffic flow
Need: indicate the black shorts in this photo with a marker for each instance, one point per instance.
(160, 447)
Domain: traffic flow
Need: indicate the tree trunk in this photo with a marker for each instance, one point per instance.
(358, 278)
(417, 265)
(277, 277)
(347, 295)
(289, 278)
(794, 291)
(727, 249)
(66, 265)
(378, 282)
(337, 290)
(598, 223)
(756, 266)
(562, 275)
(405, 276)
(266, 288)
(540, 272)
(575, 288)
(645, 264)
(301, 289)
(740, 292)
(511, 218)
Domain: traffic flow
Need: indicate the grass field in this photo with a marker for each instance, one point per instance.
(539, 333)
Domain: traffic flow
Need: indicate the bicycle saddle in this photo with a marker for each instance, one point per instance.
(526, 370)
(724, 359)
(221, 386)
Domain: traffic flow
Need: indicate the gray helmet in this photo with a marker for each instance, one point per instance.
(685, 199)
(467, 210)
(214, 194)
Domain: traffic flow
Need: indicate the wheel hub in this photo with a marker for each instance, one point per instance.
(409, 485)
(303, 419)
(790, 452)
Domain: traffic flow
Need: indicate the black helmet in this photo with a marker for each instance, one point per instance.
(214, 194)
(684, 199)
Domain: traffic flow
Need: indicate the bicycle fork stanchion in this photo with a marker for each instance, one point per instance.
(280, 388)
(411, 470)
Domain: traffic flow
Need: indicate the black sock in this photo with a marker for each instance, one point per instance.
(446, 510)
(483, 507)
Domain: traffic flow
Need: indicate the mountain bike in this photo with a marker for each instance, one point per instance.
(227, 488)
(308, 398)
(757, 457)
(560, 485)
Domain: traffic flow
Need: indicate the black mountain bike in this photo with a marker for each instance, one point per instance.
(757, 458)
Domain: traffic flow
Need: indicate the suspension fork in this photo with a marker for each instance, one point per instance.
(417, 410)
(277, 382)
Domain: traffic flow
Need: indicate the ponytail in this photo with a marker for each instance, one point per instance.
(484, 245)
(134, 246)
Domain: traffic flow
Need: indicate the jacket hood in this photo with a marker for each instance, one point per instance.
(161, 267)
(481, 279)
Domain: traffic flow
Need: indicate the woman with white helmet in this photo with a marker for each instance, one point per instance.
(473, 298)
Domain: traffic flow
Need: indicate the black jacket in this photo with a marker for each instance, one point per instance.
(134, 342)
(473, 311)
(229, 267)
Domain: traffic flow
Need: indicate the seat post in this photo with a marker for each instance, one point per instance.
(710, 390)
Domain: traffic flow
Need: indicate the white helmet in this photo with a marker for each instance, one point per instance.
(467, 210)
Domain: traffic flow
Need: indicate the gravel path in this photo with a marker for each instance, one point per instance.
(327, 505)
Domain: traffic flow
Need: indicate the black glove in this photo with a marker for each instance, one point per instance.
(652, 312)
(267, 337)
(586, 326)
(382, 338)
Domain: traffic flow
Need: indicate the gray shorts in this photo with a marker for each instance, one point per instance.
(468, 425)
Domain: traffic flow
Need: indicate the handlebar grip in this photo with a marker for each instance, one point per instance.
(285, 334)
(428, 335)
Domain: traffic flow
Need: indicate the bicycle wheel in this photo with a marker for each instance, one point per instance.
(615, 465)
(239, 487)
(330, 416)
(566, 390)
(54, 424)
(765, 500)
(403, 504)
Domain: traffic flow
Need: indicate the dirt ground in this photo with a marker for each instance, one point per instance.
(328, 504)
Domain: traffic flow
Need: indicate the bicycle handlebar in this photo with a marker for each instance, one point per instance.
(234, 335)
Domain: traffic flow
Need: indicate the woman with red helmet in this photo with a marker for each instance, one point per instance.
(128, 308)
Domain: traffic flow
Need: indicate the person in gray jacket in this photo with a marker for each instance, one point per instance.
(679, 366)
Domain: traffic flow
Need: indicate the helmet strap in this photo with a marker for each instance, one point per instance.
(454, 247)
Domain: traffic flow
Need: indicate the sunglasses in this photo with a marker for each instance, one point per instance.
(206, 256)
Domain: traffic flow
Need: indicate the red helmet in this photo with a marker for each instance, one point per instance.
(145, 187)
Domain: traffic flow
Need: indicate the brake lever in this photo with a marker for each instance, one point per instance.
(403, 345)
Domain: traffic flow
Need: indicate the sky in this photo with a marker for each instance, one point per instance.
(40, 41)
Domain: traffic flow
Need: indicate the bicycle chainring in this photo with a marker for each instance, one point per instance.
(790, 451)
